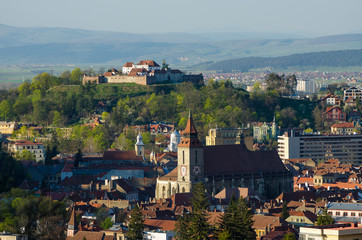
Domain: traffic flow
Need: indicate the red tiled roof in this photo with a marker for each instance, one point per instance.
(114, 154)
(149, 63)
(128, 64)
(165, 225)
(172, 176)
(134, 71)
(343, 125)
(26, 142)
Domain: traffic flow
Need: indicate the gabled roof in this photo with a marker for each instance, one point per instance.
(134, 71)
(343, 125)
(172, 176)
(128, 64)
(164, 225)
(237, 159)
(150, 63)
(115, 154)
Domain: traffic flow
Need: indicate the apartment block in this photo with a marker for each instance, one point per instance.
(346, 148)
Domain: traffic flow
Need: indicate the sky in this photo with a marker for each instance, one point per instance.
(298, 17)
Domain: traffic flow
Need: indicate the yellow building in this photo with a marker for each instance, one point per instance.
(347, 231)
(222, 136)
(7, 127)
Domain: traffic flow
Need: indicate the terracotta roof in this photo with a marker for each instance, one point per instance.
(165, 225)
(114, 154)
(89, 235)
(149, 63)
(134, 71)
(172, 176)
(25, 142)
(343, 125)
(263, 221)
(128, 64)
(237, 159)
(308, 214)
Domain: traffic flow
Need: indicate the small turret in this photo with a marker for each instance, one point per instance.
(140, 146)
(72, 226)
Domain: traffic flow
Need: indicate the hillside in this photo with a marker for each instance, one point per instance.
(76, 46)
(344, 58)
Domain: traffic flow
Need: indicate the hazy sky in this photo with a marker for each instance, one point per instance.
(302, 17)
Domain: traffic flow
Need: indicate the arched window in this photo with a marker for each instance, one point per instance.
(183, 157)
(195, 156)
(183, 189)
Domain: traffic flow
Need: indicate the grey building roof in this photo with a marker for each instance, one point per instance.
(345, 206)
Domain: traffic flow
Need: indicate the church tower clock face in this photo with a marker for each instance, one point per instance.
(183, 171)
(196, 170)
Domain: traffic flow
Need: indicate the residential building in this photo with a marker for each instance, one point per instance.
(345, 231)
(352, 92)
(334, 114)
(35, 148)
(332, 100)
(343, 128)
(347, 212)
(301, 218)
(9, 236)
(320, 178)
(222, 136)
(265, 131)
(306, 86)
(8, 127)
(345, 148)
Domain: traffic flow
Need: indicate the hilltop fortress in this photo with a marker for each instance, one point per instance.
(146, 72)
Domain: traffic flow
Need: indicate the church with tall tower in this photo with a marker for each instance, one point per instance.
(223, 166)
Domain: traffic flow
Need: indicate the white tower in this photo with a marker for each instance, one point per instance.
(174, 141)
(140, 146)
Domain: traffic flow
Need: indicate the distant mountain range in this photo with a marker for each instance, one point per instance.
(75, 46)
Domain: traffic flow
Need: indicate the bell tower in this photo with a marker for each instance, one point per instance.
(190, 158)
(140, 146)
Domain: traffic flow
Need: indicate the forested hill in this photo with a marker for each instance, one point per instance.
(342, 58)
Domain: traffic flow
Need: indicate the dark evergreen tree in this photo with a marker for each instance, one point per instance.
(78, 158)
(324, 218)
(236, 223)
(135, 230)
(199, 227)
(182, 227)
(285, 213)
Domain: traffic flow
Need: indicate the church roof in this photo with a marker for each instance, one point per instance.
(190, 138)
(172, 176)
(237, 159)
(117, 155)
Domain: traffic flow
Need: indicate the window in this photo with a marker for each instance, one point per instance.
(338, 213)
(183, 157)
(345, 214)
(195, 157)
(359, 214)
(353, 214)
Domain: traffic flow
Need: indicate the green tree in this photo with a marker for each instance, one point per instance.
(289, 236)
(324, 218)
(5, 110)
(135, 227)
(57, 118)
(76, 76)
(237, 220)
(285, 213)
(107, 223)
(199, 227)
(25, 155)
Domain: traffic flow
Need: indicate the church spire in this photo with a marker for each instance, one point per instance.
(190, 138)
